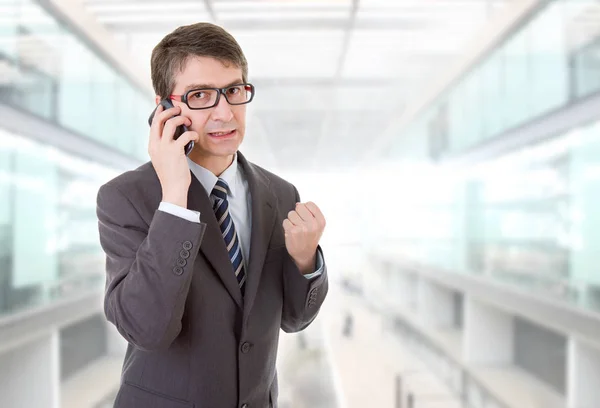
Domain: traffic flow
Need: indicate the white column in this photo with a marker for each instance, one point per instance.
(583, 375)
(30, 374)
(435, 304)
(488, 333)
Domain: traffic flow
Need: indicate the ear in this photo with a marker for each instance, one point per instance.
(157, 99)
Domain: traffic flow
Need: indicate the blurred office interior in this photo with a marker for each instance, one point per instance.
(453, 145)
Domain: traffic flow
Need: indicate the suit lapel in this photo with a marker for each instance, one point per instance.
(213, 246)
(263, 218)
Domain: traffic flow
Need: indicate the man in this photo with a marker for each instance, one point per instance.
(207, 256)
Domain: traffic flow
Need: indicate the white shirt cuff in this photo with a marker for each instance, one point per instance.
(186, 214)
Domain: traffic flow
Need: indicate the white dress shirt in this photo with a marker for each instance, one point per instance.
(240, 205)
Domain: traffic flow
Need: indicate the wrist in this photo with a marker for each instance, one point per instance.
(178, 199)
(307, 266)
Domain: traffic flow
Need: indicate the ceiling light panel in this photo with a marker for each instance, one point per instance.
(291, 53)
(395, 54)
(262, 5)
(109, 7)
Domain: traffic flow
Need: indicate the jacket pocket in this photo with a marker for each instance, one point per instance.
(134, 396)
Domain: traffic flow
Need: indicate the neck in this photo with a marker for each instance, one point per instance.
(216, 164)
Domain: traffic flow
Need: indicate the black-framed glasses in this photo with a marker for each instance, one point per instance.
(206, 98)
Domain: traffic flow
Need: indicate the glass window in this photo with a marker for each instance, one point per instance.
(35, 261)
(125, 105)
(491, 98)
(37, 58)
(47, 252)
(584, 175)
(75, 90)
(102, 108)
(47, 70)
(456, 118)
(472, 108)
(9, 10)
(516, 103)
(549, 80)
(586, 66)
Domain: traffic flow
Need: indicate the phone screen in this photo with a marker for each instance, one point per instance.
(167, 104)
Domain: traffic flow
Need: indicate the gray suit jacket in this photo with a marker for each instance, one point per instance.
(194, 341)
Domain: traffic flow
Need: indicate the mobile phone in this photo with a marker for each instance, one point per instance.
(167, 104)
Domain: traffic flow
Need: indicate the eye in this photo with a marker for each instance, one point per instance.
(234, 90)
(198, 95)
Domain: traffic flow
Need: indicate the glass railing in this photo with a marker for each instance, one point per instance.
(528, 219)
(45, 69)
(471, 392)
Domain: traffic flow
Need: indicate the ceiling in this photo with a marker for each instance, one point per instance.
(329, 74)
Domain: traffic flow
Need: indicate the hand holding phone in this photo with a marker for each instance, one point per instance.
(167, 104)
(168, 153)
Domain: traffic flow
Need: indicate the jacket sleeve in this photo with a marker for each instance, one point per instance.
(148, 269)
(302, 298)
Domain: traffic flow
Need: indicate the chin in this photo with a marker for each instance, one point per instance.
(223, 152)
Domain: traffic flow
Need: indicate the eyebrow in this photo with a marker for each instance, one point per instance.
(200, 86)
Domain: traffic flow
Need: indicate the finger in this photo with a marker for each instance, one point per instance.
(287, 226)
(295, 218)
(304, 213)
(167, 114)
(162, 115)
(186, 137)
(157, 127)
(171, 125)
(316, 212)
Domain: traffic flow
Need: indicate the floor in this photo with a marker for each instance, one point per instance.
(345, 359)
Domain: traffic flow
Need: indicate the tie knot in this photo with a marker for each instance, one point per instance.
(221, 189)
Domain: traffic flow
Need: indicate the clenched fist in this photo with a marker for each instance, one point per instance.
(303, 229)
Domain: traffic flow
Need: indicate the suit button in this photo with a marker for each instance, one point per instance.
(184, 253)
(177, 270)
(181, 262)
(246, 347)
(187, 245)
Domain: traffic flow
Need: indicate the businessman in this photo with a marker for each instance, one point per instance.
(207, 255)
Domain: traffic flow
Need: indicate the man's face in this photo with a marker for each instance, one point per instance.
(221, 128)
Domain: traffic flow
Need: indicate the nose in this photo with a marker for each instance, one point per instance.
(222, 112)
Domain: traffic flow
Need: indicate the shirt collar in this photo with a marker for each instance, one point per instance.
(209, 180)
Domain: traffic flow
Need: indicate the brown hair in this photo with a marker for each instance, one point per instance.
(201, 39)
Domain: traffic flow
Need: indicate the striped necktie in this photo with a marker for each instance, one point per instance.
(232, 241)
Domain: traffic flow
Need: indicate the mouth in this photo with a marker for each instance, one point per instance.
(222, 134)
